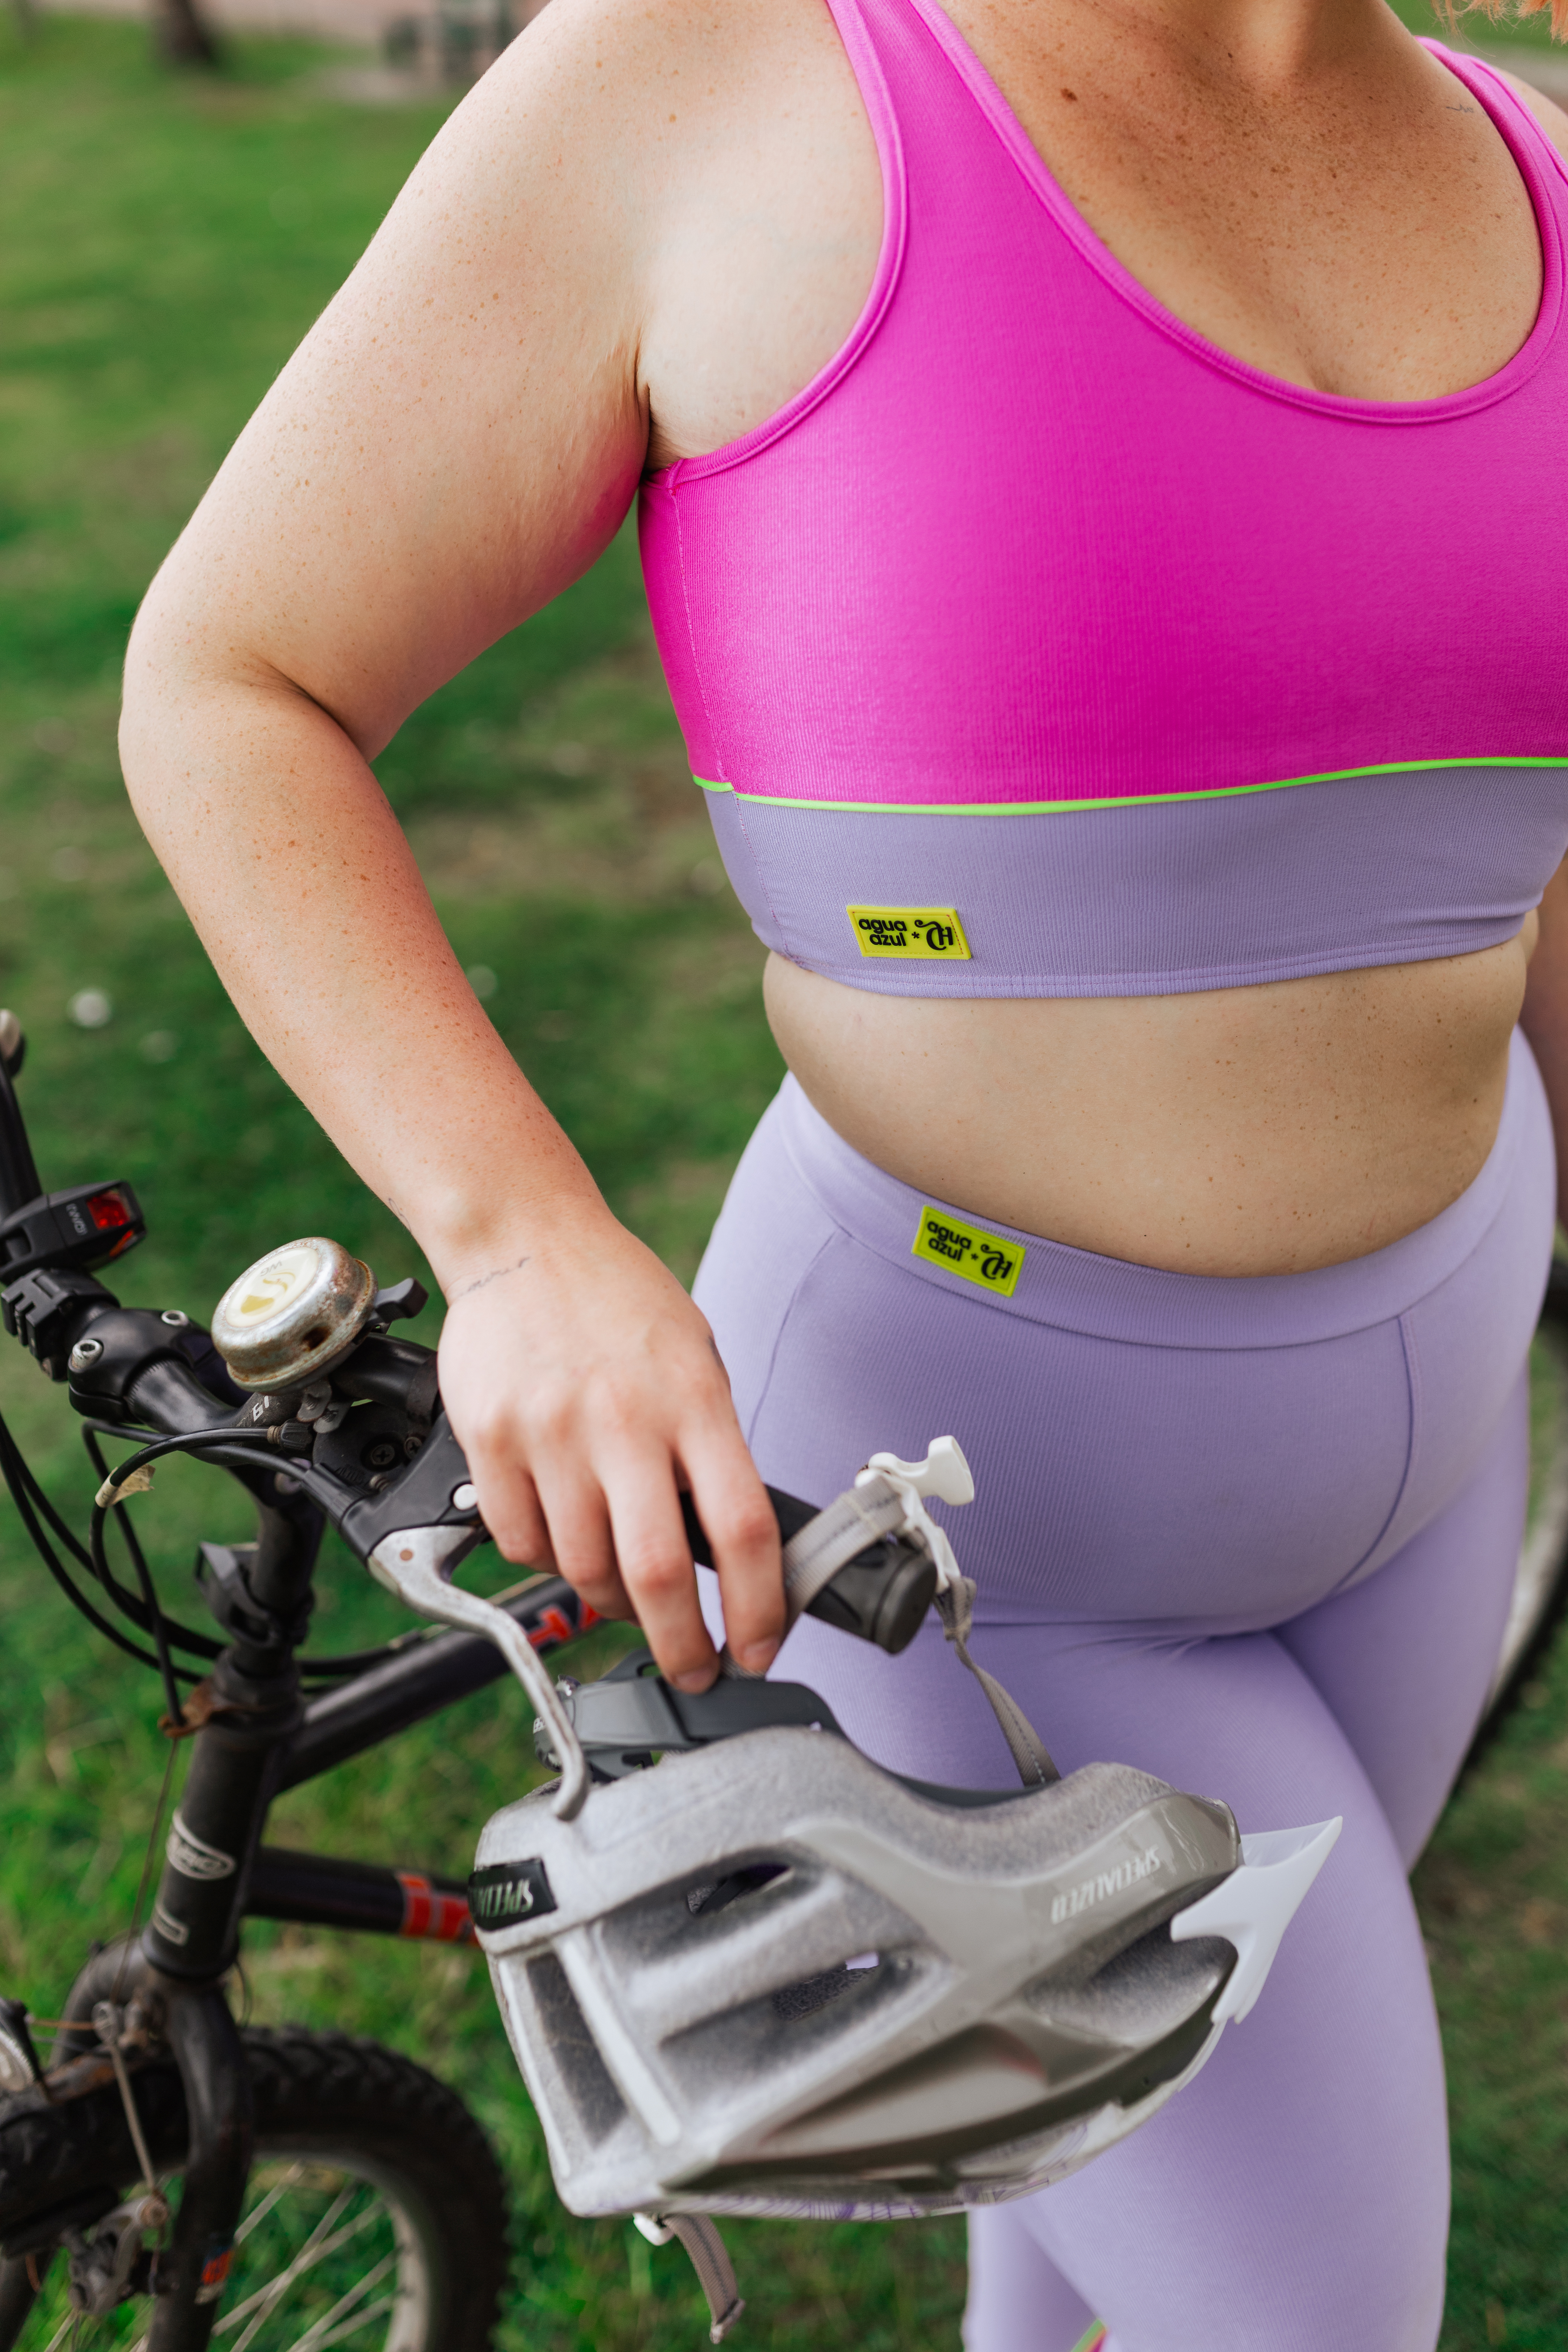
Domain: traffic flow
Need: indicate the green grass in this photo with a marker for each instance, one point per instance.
(163, 244)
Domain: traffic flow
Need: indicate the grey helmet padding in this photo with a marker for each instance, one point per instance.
(771, 1979)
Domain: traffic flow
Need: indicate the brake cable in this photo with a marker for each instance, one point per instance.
(29, 1497)
(33, 1505)
(151, 1615)
(159, 1627)
(200, 1645)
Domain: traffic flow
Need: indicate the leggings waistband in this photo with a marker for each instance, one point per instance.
(1111, 1298)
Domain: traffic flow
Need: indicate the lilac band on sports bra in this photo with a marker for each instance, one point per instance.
(1185, 895)
(1039, 648)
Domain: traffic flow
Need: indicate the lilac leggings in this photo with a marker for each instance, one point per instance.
(1255, 1535)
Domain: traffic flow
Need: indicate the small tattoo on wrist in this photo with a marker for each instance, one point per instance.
(495, 1274)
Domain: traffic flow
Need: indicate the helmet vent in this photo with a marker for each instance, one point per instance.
(812, 1993)
(574, 2054)
(717, 1893)
(1143, 1992)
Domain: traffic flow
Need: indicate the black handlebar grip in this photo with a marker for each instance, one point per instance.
(880, 1596)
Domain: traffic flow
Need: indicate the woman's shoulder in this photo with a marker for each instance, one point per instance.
(1552, 118)
(1547, 113)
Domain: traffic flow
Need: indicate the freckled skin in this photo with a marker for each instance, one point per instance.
(643, 233)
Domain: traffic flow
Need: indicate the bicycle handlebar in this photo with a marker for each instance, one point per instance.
(880, 1596)
(136, 1366)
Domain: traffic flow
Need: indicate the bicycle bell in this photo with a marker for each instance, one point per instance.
(293, 1312)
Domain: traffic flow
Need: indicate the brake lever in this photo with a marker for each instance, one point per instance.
(417, 1564)
(413, 1535)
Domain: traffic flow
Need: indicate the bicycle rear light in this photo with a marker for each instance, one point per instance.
(109, 1211)
(82, 1227)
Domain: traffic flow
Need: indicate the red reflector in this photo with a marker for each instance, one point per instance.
(435, 1918)
(108, 1212)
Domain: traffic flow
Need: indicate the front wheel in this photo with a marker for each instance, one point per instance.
(375, 2214)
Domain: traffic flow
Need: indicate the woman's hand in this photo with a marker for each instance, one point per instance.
(586, 1390)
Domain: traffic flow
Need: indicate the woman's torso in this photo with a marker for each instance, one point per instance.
(1360, 231)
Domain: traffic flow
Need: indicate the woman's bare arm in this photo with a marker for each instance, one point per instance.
(456, 441)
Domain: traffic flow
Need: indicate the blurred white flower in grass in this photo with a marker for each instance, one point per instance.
(160, 1046)
(482, 979)
(90, 1009)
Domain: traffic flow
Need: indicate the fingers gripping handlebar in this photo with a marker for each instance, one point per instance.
(310, 1312)
(881, 1594)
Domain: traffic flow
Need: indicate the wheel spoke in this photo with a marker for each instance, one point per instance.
(259, 2212)
(381, 2310)
(318, 2335)
(317, 2246)
(349, 2315)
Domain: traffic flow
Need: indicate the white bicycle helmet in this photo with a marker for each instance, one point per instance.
(771, 1978)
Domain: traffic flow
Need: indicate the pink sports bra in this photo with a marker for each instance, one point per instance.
(1040, 648)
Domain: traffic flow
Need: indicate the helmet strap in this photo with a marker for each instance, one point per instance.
(698, 2233)
(955, 1606)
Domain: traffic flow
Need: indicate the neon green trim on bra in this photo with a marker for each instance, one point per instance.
(1128, 800)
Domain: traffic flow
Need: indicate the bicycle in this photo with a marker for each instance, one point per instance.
(331, 2191)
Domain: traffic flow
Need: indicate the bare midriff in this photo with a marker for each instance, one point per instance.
(1237, 1132)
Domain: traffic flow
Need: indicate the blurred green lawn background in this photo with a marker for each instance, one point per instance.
(162, 245)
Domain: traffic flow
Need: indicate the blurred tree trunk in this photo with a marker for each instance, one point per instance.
(181, 34)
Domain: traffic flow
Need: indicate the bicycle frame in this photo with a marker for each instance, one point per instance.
(256, 1742)
(354, 1716)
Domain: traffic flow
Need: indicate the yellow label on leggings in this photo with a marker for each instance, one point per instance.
(909, 931)
(947, 1241)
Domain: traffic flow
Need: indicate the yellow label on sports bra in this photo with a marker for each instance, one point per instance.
(909, 931)
(946, 1240)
